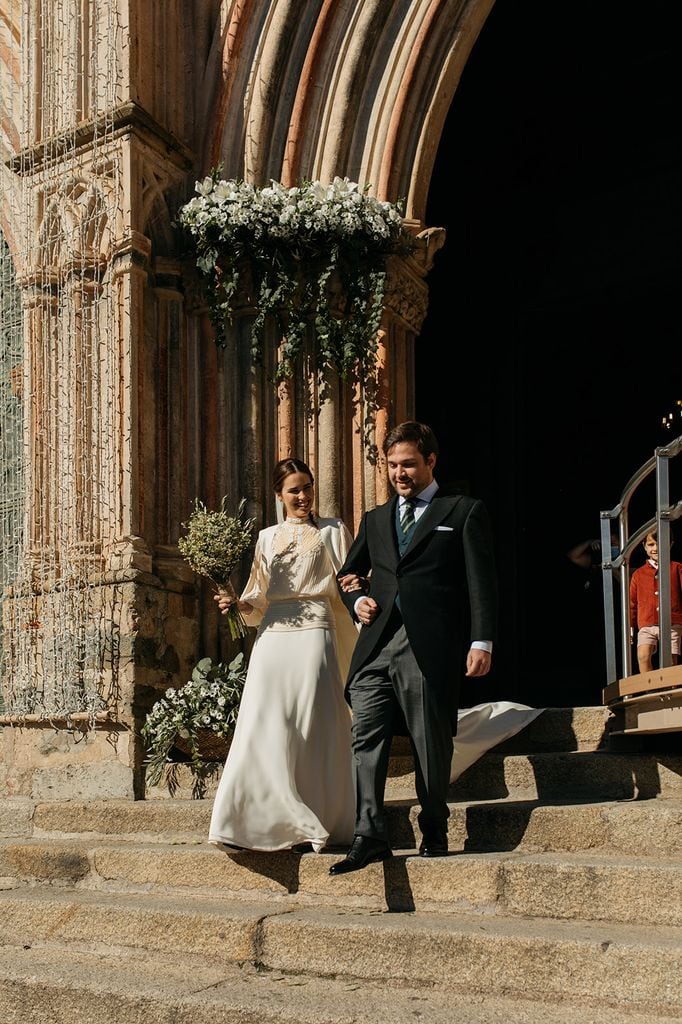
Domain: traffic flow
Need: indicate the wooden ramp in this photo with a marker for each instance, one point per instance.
(647, 703)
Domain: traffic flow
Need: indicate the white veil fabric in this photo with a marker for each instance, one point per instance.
(483, 726)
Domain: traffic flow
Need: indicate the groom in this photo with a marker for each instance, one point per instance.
(429, 559)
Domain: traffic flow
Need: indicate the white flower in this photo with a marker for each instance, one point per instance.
(225, 190)
(210, 700)
(205, 187)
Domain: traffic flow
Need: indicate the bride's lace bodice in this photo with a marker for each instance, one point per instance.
(292, 579)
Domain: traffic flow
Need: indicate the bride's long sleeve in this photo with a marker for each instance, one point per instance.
(340, 541)
(255, 591)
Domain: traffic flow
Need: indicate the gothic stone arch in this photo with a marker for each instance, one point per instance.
(359, 89)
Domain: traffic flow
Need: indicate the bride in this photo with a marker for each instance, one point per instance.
(288, 777)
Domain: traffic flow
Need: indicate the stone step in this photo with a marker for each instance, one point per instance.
(556, 729)
(636, 827)
(187, 819)
(559, 729)
(40, 985)
(595, 887)
(588, 963)
(584, 775)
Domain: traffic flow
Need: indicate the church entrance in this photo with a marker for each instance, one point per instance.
(551, 353)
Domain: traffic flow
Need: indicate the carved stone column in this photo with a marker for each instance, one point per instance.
(338, 428)
(405, 307)
(103, 616)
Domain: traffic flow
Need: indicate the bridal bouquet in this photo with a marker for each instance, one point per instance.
(213, 546)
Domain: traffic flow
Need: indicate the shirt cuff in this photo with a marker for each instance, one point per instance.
(482, 645)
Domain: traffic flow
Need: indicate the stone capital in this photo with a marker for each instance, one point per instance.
(131, 552)
(131, 254)
(406, 293)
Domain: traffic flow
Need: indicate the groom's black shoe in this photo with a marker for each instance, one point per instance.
(364, 851)
(434, 843)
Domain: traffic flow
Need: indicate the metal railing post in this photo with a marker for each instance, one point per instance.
(620, 565)
(609, 606)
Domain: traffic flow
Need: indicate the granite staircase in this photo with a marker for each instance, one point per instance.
(561, 901)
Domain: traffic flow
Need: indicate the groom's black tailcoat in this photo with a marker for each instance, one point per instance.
(445, 580)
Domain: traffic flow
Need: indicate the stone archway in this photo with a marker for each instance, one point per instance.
(556, 180)
(358, 90)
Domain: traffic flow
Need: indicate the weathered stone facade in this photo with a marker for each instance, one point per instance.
(108, 117)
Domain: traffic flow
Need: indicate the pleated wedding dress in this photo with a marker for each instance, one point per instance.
(288, 778)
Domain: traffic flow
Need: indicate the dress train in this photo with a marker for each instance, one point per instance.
(483, 726)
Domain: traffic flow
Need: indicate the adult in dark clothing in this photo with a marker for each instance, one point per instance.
(428, 561)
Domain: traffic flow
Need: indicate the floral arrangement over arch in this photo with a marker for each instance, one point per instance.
(311, 257)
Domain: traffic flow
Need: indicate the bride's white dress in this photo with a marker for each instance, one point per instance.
(288, 776)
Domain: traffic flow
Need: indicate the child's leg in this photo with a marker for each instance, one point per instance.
(647, 645)
(644, 653)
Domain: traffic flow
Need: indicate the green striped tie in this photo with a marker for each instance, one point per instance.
(407, 516)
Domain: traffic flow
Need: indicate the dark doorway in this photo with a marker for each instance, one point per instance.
(552, 349)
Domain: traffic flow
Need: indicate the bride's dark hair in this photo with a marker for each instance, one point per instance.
(284, 468)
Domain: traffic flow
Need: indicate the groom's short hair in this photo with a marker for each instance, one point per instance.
(418, 433)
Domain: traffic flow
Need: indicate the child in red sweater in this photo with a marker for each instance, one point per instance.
(644, 605)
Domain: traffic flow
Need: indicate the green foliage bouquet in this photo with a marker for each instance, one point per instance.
(213, 546)
(313, 257)
(208, 703)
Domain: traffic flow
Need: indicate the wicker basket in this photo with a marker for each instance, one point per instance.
(212, 747)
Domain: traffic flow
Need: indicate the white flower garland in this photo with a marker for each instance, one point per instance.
(341, 209)
(294, 240)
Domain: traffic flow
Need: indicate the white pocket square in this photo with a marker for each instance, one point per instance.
(446, 529)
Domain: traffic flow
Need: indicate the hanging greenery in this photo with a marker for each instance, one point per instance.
(312, 257)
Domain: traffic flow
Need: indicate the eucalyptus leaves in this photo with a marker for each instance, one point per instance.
(312, 258)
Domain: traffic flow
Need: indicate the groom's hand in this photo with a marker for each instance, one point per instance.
(366, 610)
(478, 662)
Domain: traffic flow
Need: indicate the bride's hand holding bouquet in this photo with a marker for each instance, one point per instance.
(213, 546)
(228, 598)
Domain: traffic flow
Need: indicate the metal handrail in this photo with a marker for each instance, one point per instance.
(617, 569)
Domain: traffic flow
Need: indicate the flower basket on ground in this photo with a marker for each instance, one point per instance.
(312, 258)
(210, 746)
(204, 709)
(213, 546)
